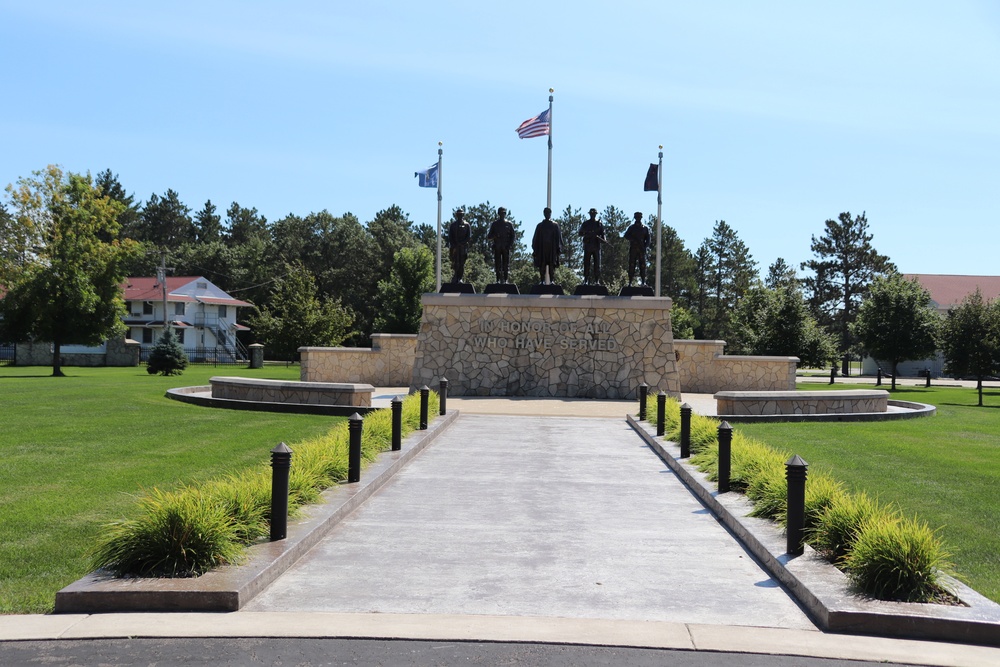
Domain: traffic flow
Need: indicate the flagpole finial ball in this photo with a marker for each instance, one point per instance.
(552, 90)
(441, 143)
(661, 147)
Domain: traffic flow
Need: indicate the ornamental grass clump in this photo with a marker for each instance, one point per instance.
(896, 558)
(180, 534)
(191, 530)
(886, 556)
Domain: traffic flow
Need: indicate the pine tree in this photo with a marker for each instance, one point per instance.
(167, 356)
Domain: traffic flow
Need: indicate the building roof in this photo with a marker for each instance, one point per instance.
(947, 291)
(190, 289)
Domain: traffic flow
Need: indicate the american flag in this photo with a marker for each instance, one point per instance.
(534, 127)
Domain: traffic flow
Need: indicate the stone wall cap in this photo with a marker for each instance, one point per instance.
(336, 349)
(751, 357)
(818, 395)
(293, 384)
(548, 301)
(385, 335)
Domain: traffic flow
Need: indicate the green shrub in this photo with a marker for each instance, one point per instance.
(822, 491)
(167, 357)
(180, 534)
(840, 524)
(193, 529)
(896, 559)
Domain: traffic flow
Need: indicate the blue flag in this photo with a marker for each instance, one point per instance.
(428, 178)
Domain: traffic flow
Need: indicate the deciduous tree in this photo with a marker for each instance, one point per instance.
(970, 339)
(896, 322)
(67, 290)
(399, 295)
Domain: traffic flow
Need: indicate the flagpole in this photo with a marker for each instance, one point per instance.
(659, 217)
(438, 271)
(548, 190)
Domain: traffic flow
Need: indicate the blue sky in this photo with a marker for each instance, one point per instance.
(773, 116)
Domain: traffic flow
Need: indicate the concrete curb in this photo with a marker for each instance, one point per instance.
(230, 588)
(823, 590)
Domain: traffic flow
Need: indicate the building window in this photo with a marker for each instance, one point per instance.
(147, 307)
(180, 335)
(179, 308)
(147, 336)
(222, 311)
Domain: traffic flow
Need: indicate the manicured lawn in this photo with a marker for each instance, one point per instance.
(944, 469)
(75, 451)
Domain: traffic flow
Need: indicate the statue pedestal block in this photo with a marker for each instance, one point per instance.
(590, 290)
(529, 345)
(551, 289)
(636, 290)
(501, 288)
(457, 288)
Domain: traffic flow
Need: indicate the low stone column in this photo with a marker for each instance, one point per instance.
(256, 355)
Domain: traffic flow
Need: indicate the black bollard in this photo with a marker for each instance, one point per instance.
(725, 455)
(833, 373)
(425, 392)
(795, 474)
(443, 396)
(661, 413)
(927, 385)
(281, 463)
(397, 423)
(643, 391)
(878, 378)
(685, 431)
(354, 425)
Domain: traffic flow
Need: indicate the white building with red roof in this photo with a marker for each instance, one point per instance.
(200, 313)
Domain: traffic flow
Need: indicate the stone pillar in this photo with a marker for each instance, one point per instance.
(256, 355)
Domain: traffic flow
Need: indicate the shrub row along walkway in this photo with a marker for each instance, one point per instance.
(536, 516)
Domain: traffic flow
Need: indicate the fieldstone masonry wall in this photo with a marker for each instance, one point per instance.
(846, 401)
(388, 363)
(283, 391)
(527, 345)
(118, 352)
(704, 369)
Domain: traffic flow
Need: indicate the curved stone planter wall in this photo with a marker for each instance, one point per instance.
(845, 401)
(285, 391)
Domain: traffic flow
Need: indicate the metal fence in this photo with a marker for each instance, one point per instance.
(215, 356)
(7, 354)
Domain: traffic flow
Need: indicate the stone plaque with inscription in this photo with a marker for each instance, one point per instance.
(563, 346)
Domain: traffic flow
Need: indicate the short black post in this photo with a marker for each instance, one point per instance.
(795, 474)
(643, 392)
(928, 384)
(281, 463)
(397, 423)
(833, 373)
(685, 431)
(725, 455)
(443, 396)
(354, 425)
(661, 413)
(878, 378)
(425, 392)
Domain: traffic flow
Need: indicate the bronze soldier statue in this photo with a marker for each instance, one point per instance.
(546, 246)
(592, 232)
(502, 234)
(637, 236)
(459, 234)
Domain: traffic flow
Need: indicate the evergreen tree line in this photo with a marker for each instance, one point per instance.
(322, 279)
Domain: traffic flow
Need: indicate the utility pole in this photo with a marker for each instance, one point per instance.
(161, 276)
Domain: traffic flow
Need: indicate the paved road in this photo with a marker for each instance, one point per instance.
(536, 516)
(402, 653)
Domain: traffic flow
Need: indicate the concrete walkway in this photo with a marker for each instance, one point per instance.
(536, 516)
